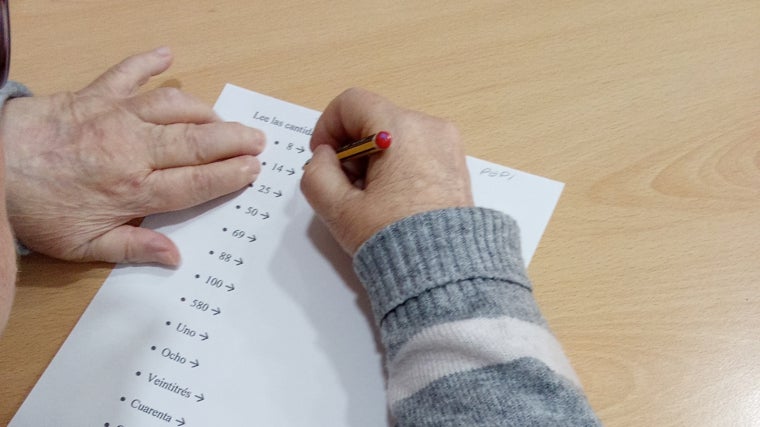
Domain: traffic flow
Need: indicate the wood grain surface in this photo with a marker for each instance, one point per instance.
(649, 111)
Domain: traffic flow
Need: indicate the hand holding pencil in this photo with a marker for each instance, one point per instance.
(423, 170)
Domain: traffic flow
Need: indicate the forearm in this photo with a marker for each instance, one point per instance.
(465, 341)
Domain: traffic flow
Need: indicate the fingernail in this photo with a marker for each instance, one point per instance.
(163, 51)
(164, 252)
(251, 168)
(261, 140)
(170, 258)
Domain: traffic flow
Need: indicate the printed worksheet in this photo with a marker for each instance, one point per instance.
(263, 324)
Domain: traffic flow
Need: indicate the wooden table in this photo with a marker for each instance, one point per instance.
(649, 111)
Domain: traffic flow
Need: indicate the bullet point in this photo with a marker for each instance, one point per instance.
(138, 373)
(153, 347)
(123, 398)
(168, 323)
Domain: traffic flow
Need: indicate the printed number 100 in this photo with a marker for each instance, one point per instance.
(215, 282)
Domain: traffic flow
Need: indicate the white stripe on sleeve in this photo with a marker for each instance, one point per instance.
(465, 345)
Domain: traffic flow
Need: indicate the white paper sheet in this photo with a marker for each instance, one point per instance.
(263, 324)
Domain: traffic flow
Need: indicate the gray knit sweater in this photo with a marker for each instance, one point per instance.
(9, 91)
(13, 90)
(465, 342)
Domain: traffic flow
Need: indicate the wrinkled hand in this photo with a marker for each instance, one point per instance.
(81, 165)
(423, 170)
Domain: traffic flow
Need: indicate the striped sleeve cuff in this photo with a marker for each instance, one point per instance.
(436, 248)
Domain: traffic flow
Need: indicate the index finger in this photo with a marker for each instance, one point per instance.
(353, 114)
(187, 144)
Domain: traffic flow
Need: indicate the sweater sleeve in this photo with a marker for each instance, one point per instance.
(13, 90)
(9, 91)
(464, 339)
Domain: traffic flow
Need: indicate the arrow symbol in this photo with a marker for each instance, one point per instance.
(252, 238)
(300, 150)
(278, 193)
(230, 287)
(291, 171)
(181, 422)
(239, 261)
(204, 336)
(216, 311)
(265, 215)
(200, 397)
(195, 363)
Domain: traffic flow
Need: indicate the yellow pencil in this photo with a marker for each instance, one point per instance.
(365, 146)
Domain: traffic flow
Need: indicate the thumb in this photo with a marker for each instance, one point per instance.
(125, 78)
(324, 184)
(126, 243)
